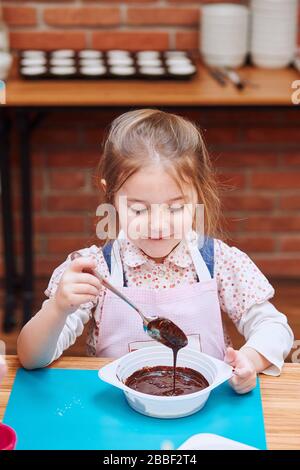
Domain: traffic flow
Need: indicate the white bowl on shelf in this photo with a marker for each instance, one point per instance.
(185, 69)
(32, 53)
(124, 70)
(149, 70)
(224, 37)
(63, 53)
(93, 70)
(176, 54)
(148, 54)
(269, 62)
(222, 60)
(62, 61)
(127, 61)
(273, 32)
(89, 54)
(34, 70)
(28, 61)
(149, 62)
(91, 62)
(229, 11)
(63, 70)
(215, 371)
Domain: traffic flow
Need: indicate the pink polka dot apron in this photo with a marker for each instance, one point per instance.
(195, 308)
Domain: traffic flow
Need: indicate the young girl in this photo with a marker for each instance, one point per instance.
(159, 163)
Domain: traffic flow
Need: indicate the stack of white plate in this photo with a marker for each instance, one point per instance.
(224, 37)
(274, 32)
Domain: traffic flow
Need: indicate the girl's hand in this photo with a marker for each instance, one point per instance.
(77, 287)
(244, 379)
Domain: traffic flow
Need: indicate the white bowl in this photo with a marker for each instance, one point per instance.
(178, 61)
(149, 70)
(127, 61)
(34, 70)
(215, 371)
(63, 70)
(63, 53)
(176, 54)
(271, 62)
(206, 441)
(185, 69)
(225, 32)
(89, 54)
(273, 5)
(33, 53)
(122, 70)
(224, 60)
(271, 51)
(28, 61)
(148, 54)
(149, 62)
(225, 10)
(62, 61)
(91, 63)
(93, 70)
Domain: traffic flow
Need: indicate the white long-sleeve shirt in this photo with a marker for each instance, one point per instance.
(243, 290)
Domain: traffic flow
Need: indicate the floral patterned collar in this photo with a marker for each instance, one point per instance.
(134, 256)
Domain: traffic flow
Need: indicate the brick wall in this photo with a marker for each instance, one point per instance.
(257, 152)
(135, 24)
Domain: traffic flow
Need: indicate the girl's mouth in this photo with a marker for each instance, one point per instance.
(160, 238)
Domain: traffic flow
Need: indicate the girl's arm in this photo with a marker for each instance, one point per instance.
(244, 294)
(259, 362)
(269, 340)
(268, 336)
(38, 340)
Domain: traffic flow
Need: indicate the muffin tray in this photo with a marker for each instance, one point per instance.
(94, 64)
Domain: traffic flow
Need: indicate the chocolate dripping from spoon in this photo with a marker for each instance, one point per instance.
(160, 329)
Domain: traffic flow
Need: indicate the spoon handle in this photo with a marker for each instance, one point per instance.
(113, 289)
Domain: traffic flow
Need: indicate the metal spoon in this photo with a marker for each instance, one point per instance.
(108, 285)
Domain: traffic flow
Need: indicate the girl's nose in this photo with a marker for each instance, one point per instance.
(160, 222)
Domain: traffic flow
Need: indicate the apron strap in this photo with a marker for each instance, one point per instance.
(106, 250)
(107, 253)
(208, 254)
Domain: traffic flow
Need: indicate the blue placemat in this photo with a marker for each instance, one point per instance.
(73, 409)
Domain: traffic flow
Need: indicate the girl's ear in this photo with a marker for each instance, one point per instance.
(103, 184)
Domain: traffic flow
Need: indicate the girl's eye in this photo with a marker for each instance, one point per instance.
(176, 208)
(138, 209)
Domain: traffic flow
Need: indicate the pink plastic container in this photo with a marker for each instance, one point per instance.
(8, 437)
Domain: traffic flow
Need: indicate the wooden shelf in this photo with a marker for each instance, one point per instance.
(274, 89)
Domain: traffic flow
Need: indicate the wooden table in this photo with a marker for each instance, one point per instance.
(280, 396)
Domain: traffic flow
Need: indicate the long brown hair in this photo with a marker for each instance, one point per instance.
(140, 137)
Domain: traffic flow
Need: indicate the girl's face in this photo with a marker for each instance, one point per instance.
(154, 212)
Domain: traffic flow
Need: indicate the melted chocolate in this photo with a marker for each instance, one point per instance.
(170, 335)
(159, 380)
